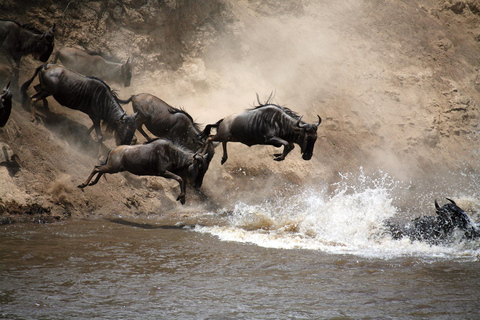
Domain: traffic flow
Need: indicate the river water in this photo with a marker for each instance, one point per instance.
(308, 256)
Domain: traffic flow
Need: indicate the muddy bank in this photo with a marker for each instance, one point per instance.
(396, 84)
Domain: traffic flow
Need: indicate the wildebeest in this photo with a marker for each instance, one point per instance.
(165, 121)
(95, 65)
(7, 66)
(5, 105)
(267, 124)
(437, 229)
(158, 157)
(18, 40)
(87, 94)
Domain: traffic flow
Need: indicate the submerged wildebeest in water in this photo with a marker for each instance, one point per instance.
(5, 105)
(87, 94)
(92, 64)
(167, 122)
(158, 157)
(437, 229)
(18, 40)
(266, 124)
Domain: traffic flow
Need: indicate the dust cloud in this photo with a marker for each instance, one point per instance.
(379, 79)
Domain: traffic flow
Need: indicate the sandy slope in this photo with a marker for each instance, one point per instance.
(396, 83)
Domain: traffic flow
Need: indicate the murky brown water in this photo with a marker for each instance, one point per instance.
(103, 269)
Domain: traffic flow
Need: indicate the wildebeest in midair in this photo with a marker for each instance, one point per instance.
(90, 64)
(87, 94)
(165, 121)
(266, 124)
(437, 229)
(158, 157)
(5, 105)
(18, 40)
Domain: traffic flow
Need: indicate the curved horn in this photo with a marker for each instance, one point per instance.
(436, 205)
(451, 201)
(8, 86)
(299, 124)
(319, 120)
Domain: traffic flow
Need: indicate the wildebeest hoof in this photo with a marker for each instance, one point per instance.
(81, 186)
(279, 158)
(223, 160)
(181, 198)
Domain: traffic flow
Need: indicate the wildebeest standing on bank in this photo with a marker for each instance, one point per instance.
(20, 40)
(436, 229)
(267, 124)
(87, 94)
(5, 105)
(165, 121)
(159, 157)
(95, 65)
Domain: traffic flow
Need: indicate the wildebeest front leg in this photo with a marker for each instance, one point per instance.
(287, 147)
(98, 131)
(183, 187)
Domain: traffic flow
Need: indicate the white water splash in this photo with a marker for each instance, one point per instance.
(349, 222)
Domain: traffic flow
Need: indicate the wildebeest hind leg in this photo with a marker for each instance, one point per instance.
(95, 171)
(140, 129)
(37, 97)
(225, 154)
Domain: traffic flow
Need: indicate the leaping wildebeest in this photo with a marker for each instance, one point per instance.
(18, 40)
(165, 121)
(158, 157)
(5, 105)
(95, 65)
(266, 124)
(87, 94)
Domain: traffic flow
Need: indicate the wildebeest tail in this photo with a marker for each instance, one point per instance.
(24, 88)
(125, 101)
(208, 128)
(55, 57)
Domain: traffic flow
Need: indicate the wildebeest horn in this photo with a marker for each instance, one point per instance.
(319, 120)
(451, 201)
(8, 86)
(299, 124)
(436, 205)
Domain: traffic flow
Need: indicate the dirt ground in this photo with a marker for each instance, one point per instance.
(395, 82)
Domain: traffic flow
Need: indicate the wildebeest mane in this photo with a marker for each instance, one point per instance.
(269, 102)
(30, 27)
(174, 110)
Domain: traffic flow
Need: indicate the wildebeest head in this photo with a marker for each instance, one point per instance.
(45, 45)
(126, 72)
(307, 135)
(453, 216)
(125, 129)
(198, 168)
